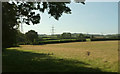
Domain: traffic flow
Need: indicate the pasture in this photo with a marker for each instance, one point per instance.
(95, 56)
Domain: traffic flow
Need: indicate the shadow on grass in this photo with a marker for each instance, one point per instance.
(19, 61)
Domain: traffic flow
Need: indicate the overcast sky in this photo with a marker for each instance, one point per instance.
(93, 17)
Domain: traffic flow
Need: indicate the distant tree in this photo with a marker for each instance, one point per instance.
(32, 36)
(91, 36)
(86, 36)
(58, 36)
(66, 35)
(81, 36)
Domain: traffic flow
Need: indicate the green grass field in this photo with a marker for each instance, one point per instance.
(63, 57)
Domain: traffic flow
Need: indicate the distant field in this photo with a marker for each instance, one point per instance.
(63, 57)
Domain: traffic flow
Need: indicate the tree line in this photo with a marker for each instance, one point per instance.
(33, 38)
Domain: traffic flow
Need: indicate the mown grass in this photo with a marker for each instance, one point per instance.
(64, 57)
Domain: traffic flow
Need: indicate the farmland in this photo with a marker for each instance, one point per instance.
(63, 57)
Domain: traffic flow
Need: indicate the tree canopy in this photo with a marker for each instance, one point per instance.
(31, 36)
(15, 13)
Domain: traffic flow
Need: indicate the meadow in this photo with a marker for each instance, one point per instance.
(62, 57)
